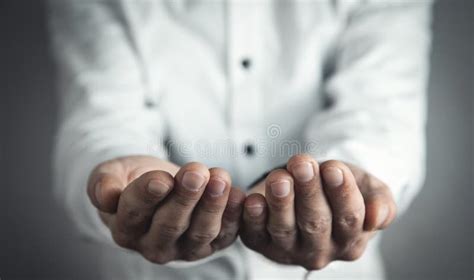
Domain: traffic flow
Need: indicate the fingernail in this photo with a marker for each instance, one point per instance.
(193, 181)
(281, 188)
(157, 188)
(381, 216)
(216, 187)
(333, 176)
(303, 172)
(255, 210)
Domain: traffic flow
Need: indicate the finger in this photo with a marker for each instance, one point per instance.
(380, 207)
(138, 202)
(230, 219)
(105, 186)
(281, 213)
(207, 216)
(254, 232)
(312, 208)
(345, 199)
(173, 216)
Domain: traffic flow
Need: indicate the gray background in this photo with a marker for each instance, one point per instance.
(432, 241)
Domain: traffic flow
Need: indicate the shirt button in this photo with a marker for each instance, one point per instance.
(149, 104)
(249, 149)
(246, 63)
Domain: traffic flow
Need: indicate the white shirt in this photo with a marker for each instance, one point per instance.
(241, 85)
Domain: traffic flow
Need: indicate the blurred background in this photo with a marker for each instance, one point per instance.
(433, 240)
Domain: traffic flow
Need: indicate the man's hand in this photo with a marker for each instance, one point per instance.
(165, 212)
(310, 215)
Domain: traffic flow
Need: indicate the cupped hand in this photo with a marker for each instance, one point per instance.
(165, 212)
(311, 215)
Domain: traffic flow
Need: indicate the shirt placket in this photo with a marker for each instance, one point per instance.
(246, 99)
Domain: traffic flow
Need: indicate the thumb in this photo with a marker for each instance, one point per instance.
(105, 185)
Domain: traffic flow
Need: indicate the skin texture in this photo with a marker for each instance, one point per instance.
(303, 215)
(320, 219)
(165, 212)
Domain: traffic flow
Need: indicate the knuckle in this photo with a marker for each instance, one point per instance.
(131, 220)
(320, 225)
(132, 215)
(225, 237)
(349, 221)
(171, 230)
(202, 237)
(281, 232)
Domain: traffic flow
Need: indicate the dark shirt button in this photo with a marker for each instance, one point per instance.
(246, 63)
(249, 149)
(149, 104)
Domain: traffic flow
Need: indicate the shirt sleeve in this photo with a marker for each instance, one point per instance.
(103, 91)
(376, 113)
(104, 108)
